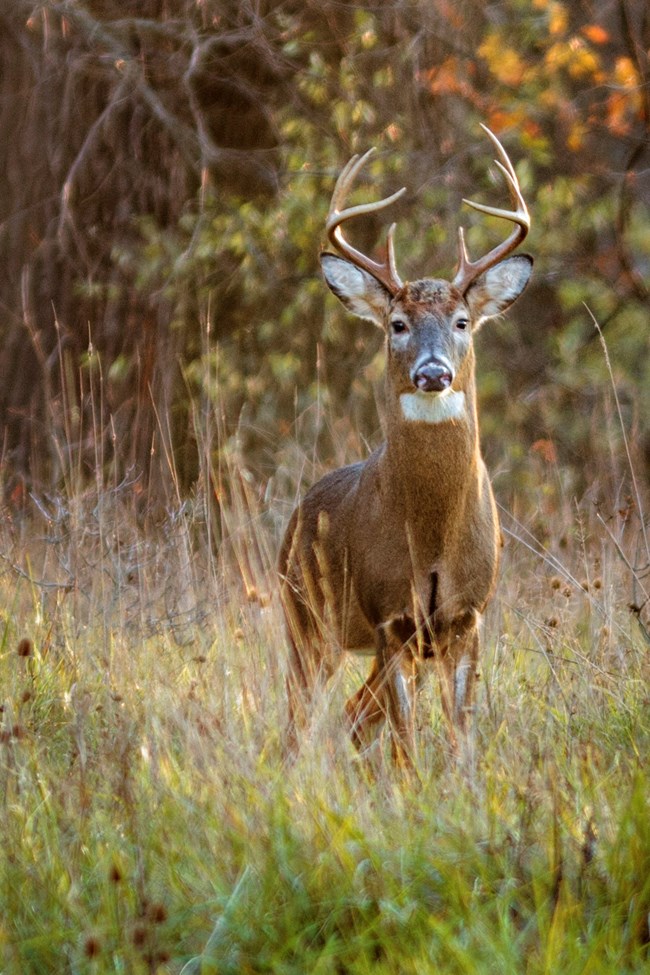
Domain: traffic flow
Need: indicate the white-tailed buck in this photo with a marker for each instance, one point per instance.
(397, 555)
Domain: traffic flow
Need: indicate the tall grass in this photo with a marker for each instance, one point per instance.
(148, 818)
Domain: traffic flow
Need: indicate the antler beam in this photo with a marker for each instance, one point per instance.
(468, 270)
(386, 271)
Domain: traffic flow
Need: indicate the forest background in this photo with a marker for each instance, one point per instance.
(174, 374)
(163, 186)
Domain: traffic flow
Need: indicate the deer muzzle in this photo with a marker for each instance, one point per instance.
(432, 376)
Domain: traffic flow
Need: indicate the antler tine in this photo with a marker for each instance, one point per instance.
(468, 270)
(386, 271)
(346, 178)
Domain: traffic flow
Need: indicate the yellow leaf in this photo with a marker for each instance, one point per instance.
(584, 62)
(558, 19)
(504, 62)
(558, 55)
(576, 57)
(625, 73)
(576, 138)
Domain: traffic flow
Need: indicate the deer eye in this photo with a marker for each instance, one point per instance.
(462, 323)
(398, 326)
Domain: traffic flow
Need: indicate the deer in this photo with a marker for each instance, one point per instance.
(396, 556)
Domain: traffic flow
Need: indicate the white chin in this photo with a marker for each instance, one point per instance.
(433, 407)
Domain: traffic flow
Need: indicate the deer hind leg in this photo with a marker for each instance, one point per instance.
(458, 644)
(299, 684)
(311, 665)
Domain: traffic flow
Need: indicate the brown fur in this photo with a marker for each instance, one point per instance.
(398, 555)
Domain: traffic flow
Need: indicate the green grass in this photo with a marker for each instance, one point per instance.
(147, 816)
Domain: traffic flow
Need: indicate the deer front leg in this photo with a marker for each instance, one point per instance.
(457, 659)
(387, 693)
(365, 708)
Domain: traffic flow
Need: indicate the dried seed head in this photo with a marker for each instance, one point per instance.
(92, 946)
(590, 841)
(115, 874)
(157, 913)
(15, 733)
(25, 648)
(139, 935)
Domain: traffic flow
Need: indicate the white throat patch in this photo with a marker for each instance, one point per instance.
(433, 407)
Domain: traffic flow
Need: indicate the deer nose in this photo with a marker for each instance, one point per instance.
(433, 376)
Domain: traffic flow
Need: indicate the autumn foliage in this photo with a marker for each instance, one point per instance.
(163, 184)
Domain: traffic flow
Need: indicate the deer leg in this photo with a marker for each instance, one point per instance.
(387, 693)
(365, 708)
(397, 674)
(459, 649)
(308, 670)
(380, 698)
(299, 694)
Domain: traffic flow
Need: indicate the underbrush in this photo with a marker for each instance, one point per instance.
(149, 819)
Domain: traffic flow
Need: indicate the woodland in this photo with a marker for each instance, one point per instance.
(163, 185)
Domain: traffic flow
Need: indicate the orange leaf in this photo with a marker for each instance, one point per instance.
(546, 450)
(596, 34)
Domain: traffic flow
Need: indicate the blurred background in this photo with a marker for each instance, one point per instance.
(165, 172)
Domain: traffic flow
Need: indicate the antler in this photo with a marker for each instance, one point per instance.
(386, 271)
(468, 270)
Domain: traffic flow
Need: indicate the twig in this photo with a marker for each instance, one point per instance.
(94, 130)
(95, 31)
(40, 583)
(543, 553)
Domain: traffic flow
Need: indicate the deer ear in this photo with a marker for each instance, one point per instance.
(495, 290)
(360, 292)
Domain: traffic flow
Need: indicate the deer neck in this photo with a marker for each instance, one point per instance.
(431, 460)
(425, 439)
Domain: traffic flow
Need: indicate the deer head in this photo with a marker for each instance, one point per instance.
(429, 323)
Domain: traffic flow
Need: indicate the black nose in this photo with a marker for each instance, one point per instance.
(432, 377)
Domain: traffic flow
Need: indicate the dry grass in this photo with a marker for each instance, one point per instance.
(144, 797)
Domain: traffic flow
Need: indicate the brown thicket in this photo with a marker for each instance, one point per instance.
(124, 122)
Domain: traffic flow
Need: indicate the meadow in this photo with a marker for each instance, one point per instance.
(150, 824)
